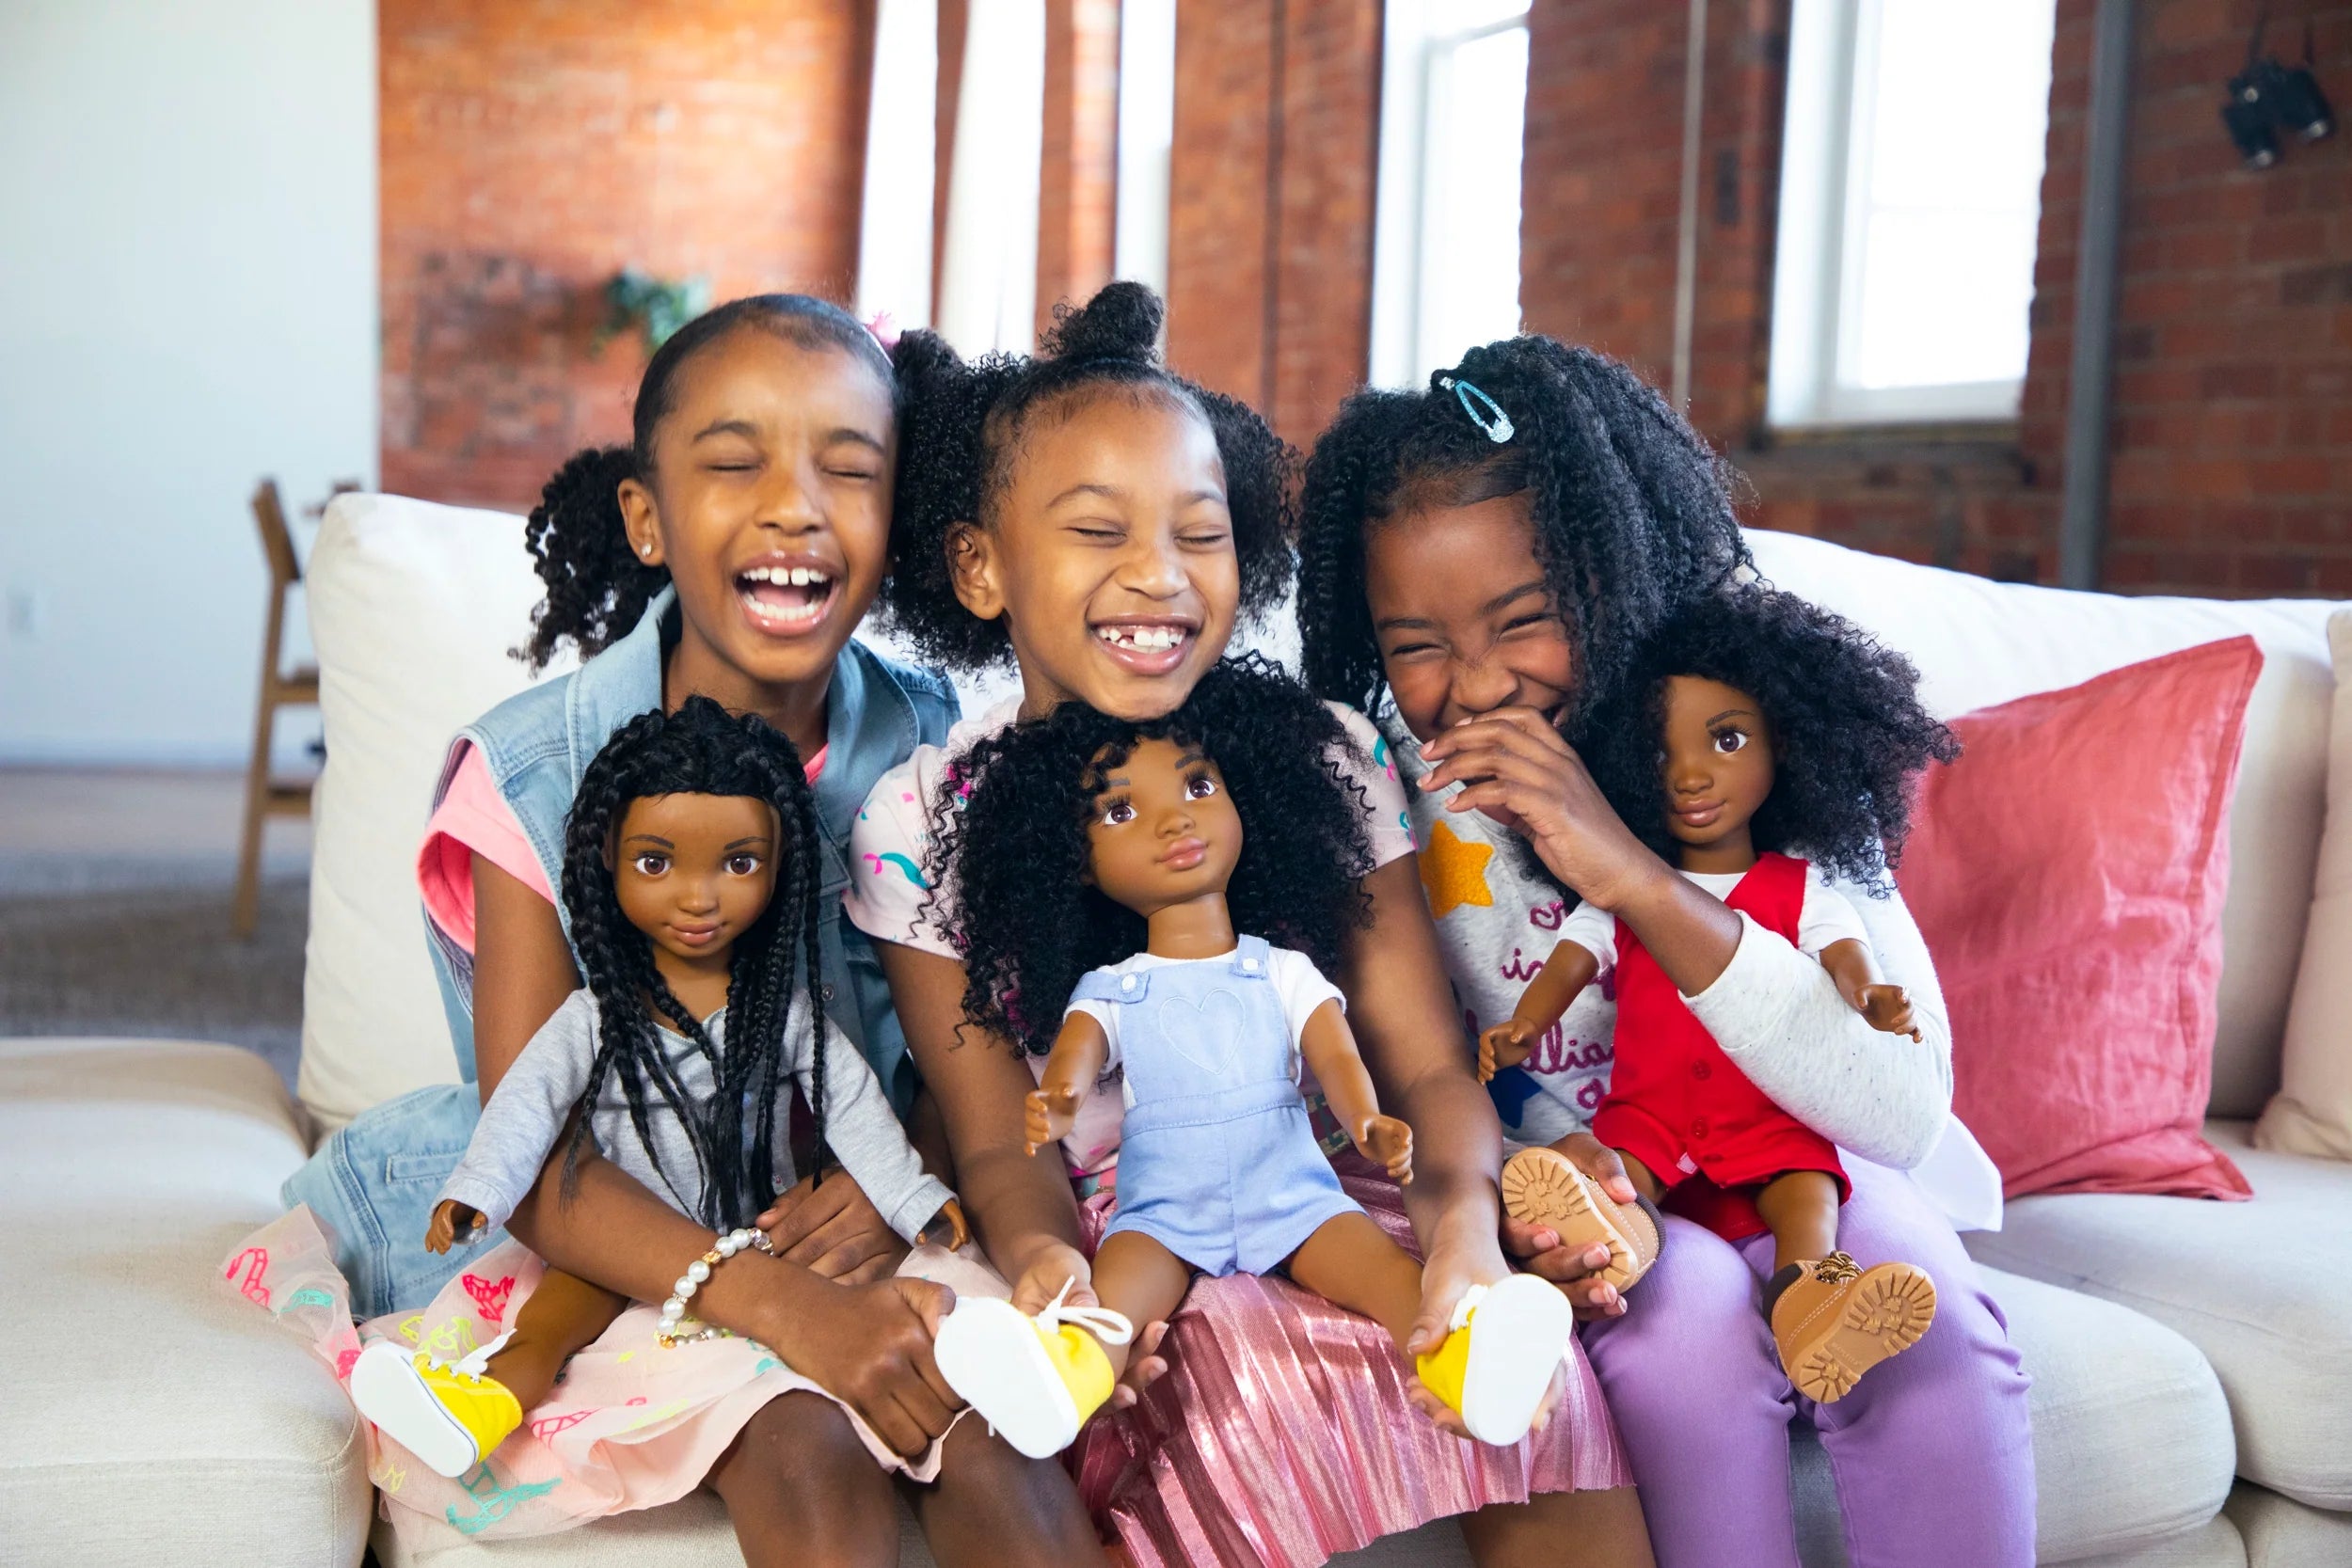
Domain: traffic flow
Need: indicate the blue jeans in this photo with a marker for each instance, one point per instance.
(375, 1183)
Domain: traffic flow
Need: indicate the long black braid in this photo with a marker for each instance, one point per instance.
(1631, 509)
(700, 750)
(596, 587)
(1009, 850)
(960, 431)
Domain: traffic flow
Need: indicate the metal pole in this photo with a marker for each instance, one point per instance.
(1687, 235)
(2083, 523)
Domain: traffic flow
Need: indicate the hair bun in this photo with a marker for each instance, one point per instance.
(1121, 322)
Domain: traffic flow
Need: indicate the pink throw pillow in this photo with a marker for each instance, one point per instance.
(2067, 874)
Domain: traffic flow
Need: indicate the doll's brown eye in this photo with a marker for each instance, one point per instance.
(652, 865)
(1118, 812)
(1200, 787)
(743, 865)
(1728, 741)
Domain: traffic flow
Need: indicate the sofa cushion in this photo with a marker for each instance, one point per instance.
(413, 609)
(2312, 1113)
(2280, 1532)
(2261, 1289)
(1979, 643)
(152, 1414)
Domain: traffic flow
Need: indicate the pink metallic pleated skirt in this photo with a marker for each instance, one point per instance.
(1282, 1433)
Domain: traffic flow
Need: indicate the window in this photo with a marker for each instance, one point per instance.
(1911, 195)
(894, 267)
(1147, 136)
(988, 271)
(1446, 240)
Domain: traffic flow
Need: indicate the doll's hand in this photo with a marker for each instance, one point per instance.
(1043, 1278)
(1048, 1116)
(449, 1216)
(1389, 1143)
(1524, 776)
(1504, 1046)
(959, 1230)
(1538, 1246)
(834, 1229)
(1887, 1008)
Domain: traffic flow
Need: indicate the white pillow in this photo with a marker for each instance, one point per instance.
(413, 609)
(1979, 643)
(2312, 1113)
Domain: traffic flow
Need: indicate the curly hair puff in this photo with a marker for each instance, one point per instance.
(700, 750)
(1008, 840)
(1631, 509)
(960, 429)
(597, 588)
(1849, 736)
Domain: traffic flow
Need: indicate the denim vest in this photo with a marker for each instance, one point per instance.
(376, 1180)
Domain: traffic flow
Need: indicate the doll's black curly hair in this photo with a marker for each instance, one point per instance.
(1008, 840)
(597, 588)
(1849, 736)
(700, 750)
(1631, 509)
(960, 428)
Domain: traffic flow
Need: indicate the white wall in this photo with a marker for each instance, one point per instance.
(187, 302)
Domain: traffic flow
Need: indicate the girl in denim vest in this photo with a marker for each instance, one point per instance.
(728, 552)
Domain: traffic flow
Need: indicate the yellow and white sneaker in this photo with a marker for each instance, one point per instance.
(449, 1415)
(1506, 1342)
(1034, 1380)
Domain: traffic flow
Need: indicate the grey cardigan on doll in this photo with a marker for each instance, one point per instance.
(521, 1125)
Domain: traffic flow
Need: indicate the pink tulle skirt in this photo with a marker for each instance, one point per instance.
(1282, 1433)
(629, 1425)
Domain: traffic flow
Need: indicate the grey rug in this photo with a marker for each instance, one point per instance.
(152, 956)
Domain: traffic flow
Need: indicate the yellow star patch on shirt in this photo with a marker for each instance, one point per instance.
(1454, 872)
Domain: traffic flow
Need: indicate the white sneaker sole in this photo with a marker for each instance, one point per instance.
(1517, 1337)
(990, 1353)
(386, 1387)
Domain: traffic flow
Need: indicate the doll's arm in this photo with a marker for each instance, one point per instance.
(523, 1120)
(1076, 1061)
(1561, 981)
(865, 1135)
(1329, 1049)
(1888, 1007)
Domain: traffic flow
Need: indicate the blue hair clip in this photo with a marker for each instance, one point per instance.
(1495, 422)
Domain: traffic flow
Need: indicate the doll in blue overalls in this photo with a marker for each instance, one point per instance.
(1102, 862)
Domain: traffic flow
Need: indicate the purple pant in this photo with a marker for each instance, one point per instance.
(1933, 1451)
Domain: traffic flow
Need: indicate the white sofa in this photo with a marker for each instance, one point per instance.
(2192, 1362)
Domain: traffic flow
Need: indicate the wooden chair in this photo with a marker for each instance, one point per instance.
(297, 687)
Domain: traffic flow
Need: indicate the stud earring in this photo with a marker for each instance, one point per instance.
(644, 549)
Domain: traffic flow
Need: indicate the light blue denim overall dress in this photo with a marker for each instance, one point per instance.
(376, 1179)
(1216, 1161)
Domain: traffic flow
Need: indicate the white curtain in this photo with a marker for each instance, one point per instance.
(893, 251)
(988, 275)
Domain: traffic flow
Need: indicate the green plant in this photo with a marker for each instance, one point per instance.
(657, 307)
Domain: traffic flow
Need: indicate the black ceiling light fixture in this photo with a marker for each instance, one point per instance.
(2268, 97)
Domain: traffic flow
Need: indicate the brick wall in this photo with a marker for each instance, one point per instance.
(1271, 201)
(530, 151)
(2232, 443)
(1078, 184)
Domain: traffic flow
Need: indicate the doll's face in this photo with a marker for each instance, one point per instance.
(1110, 554)
(694, 871)
(1164, 831)
(1464, 616)
(1717, 760)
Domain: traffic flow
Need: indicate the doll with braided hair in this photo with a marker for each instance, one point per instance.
(691, 880)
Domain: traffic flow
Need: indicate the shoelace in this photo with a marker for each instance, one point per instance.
(1463, 1307)
(1112, 1328)
(476, 1363)
(1837, 1269)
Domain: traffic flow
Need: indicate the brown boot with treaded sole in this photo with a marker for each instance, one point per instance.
(1834, 1321)
(1542, 1186)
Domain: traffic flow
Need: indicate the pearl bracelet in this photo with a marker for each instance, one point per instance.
(673, 1330)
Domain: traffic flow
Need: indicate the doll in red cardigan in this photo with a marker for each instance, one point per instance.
(1758, 742)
